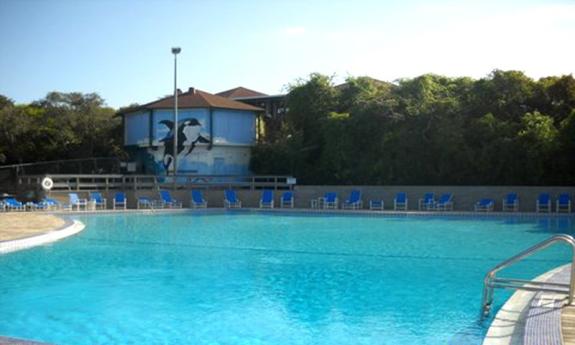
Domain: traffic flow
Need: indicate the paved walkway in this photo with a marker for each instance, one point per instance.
(25, 224)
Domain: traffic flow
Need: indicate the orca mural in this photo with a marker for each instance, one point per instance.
(213, 139)
(189, 134)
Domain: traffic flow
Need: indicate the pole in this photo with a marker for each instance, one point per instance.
(175, 51)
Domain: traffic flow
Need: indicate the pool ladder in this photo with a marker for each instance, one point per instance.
(491, 281)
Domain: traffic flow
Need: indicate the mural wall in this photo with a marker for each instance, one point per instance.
(234, 127)
(226, 153)
(137, 129)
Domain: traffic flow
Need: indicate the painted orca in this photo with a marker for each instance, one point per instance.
(188, 135)
(191, 129)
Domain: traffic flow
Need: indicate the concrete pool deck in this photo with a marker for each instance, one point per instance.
(24, 230)
(21, 224)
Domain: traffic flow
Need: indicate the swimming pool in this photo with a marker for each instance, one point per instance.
(266, 278)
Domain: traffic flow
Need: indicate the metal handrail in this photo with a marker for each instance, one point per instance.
(490, 282)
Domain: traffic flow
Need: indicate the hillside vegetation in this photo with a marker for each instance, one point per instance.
(505, 129)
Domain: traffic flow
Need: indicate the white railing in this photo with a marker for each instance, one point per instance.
(88, 182)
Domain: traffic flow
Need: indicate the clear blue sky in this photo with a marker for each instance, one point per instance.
(121, 49)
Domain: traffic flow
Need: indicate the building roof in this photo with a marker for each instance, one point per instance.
(240, 92)
(195, 98)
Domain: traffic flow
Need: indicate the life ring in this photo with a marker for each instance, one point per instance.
(47, 183)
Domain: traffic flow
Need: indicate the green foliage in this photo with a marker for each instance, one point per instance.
(505, 129)
(60, 126)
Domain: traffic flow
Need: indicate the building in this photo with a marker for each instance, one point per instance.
(215, 134)
(274, 106)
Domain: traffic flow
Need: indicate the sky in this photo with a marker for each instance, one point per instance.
(121, 49)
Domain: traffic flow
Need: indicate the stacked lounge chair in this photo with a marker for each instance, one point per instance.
(354, 201)
(98, 201)
(231, 200)
(119, 201)
(444, 203)
(543, 203)
(485, 205)
(510, 203)
(51, 204)
(146, 202)
(14, 205)
(330, 200)
(563, 203)
(267, 199)
(427, 202)
(376, 205)
(400, 202)
(287, 200)
(198, 200)
(168, 201)
(75, 201)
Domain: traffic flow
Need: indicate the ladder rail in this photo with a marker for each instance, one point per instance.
(490, 282)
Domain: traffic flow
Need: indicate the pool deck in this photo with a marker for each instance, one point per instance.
(24, 230)
(17, 225)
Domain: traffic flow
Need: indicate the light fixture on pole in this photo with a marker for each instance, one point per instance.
(175, 51)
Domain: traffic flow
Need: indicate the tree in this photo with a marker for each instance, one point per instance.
(60, 126)
(505, 129)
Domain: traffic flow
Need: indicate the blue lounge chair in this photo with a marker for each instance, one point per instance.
(427, 202)
(198, 200)
(376, 205)
(13, 204)
(230, 199)
(400, 202)
(445, 202)
(267, 199)
(485, 205)
(168, 201)
(543, 203)
(75, 201)
(36, 206)
(51, 204)
(330, 200)
(354, 201)
(510, 203)
(287, 199)
(98, 200)
(563, 203)
(146, 202)
(119, 201)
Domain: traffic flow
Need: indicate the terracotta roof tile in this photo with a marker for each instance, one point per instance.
(240, 91)
(194, 98)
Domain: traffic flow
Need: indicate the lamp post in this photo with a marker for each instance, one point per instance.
(175, 51)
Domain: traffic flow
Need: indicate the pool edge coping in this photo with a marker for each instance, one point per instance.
(508, 325)
(340, 211)
(70, 228)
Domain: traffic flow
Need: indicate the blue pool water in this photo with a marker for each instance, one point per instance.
(250, 278)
